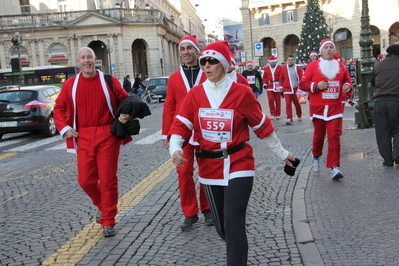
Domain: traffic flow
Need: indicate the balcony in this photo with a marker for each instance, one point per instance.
(60, 19)
(273, 3)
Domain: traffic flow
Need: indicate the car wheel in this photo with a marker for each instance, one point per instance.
(51, 129)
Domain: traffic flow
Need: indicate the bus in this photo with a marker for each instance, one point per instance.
(53, 74)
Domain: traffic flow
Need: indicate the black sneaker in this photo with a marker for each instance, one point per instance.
(208, 217)
(109, 231)
(188, 222)
(98, 216)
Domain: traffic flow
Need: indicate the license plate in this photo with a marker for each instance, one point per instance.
(160, 95)
(9, 124)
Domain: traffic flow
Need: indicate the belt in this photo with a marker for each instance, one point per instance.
(220, 154)
(272, 81)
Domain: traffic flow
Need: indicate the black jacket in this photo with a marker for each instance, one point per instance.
(133, 106)
(385, 79)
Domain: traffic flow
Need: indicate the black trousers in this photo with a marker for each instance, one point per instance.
(386, 119)
(229, 207)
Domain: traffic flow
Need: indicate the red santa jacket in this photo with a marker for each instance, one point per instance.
(327, 104)
(271, 77)
(65, 104)
(285, 79)
(222, 123)
(177, 89)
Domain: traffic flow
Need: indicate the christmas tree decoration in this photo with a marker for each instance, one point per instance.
(314, 30)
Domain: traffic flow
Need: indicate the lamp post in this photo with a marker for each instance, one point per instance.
(17, 41)
(364, 115)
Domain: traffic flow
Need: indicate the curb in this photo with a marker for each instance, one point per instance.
(304, 238)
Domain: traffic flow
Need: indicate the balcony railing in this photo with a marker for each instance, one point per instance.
(59, 19)
(267, 3)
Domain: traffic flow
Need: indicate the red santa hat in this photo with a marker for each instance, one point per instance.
(250, 63)
(192, 39)
(313, 53)
(272, 59)
(220, 51)
(324, 42)
(232, 57)
(349, 59)
(380, 56)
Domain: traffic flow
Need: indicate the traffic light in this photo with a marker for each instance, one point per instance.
(15, 64)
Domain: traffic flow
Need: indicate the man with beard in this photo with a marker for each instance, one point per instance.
(325, 80)
(179, 84)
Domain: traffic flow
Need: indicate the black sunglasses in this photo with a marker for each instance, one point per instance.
(210, 60)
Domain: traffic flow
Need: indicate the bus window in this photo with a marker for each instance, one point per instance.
(59, 78)
(45, 79)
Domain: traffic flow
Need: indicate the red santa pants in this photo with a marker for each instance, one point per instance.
(274, 99)
(334, 132)
(188, 195)
(289, 100)
(97, 157)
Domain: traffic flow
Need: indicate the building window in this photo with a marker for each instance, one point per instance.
(107, 4)
(62, 5)
(264, 19)
(25, 6)
(289, 15)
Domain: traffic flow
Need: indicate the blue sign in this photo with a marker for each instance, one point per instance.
(258, 46)
(112, 67)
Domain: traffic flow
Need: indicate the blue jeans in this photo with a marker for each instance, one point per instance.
(139, 91)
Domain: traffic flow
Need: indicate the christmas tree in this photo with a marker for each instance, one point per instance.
(314, 30)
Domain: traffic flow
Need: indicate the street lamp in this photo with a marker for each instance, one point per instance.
(17, 41)
(363, 117)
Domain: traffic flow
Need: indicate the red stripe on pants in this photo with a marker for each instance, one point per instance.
(188, 194)
(97, 157)
(274, 99)
(333, 128)
(289, 100)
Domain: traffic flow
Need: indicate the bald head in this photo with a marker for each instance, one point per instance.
(87, 62)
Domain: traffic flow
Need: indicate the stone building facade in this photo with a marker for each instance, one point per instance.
(277, 25)
(128, 37)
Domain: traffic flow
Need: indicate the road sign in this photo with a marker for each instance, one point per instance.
(112, 67)
(258, 48)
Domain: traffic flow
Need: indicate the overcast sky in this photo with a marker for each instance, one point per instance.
(215, 10)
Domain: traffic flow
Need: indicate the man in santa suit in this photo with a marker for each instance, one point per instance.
(271, 82)
(84, 112)
(179, 83)
(289, 83)
(233, 74)
(326, 80)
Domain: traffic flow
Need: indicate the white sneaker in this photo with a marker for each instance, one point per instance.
(299, 119)
(278, 117)
(335, 173)
(289, 122)
(316, 165)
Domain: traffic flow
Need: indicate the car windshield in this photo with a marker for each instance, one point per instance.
(16, 96)
(156, 82)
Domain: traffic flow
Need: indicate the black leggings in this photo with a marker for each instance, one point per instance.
(229, 206)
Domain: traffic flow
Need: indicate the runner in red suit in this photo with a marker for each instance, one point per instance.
(326, 80)
(179, 84)
(271, 77)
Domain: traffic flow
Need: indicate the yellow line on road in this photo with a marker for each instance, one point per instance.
(78, 246)
(7, 155)
(15, 197)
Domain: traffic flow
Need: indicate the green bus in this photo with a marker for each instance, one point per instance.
(53, 74)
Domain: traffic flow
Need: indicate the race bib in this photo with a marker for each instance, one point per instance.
(216, 124)
(276, 86)
(251, 79)
(333, 91)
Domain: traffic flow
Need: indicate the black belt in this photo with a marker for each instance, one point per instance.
(220, 154)
(272, 81)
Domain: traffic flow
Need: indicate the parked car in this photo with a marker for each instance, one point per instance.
(157, 86)
(28, 109)
(3, 88)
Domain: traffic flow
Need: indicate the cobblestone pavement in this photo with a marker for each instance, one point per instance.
(307, 219)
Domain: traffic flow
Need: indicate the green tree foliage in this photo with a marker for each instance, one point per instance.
(314, 30)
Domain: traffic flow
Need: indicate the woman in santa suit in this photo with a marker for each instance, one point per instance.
(217, 112)
(326, 80)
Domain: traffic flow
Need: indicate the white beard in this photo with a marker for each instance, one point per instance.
(329, 68)
(233, 75)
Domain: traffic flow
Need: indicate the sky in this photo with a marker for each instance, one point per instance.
(215, 10)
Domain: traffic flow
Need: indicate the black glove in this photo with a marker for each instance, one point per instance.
(291, 170)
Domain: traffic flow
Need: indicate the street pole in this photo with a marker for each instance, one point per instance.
(17, 40)
(364, 115)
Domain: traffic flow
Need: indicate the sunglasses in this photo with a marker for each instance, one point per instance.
(210, 60)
